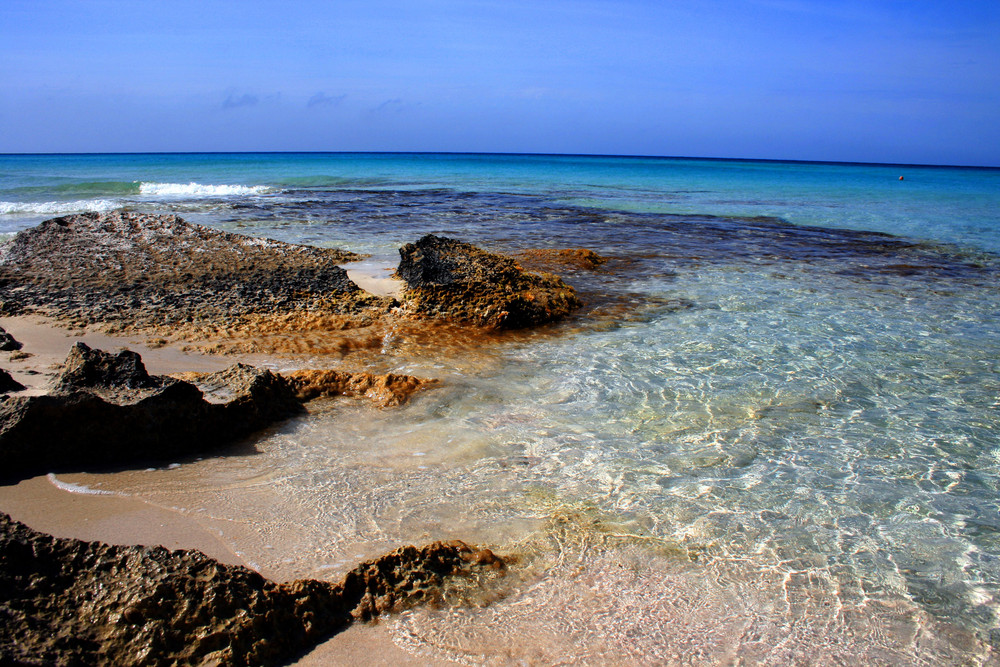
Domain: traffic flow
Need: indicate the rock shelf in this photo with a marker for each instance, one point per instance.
(69, 602)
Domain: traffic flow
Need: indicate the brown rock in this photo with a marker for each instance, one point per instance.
(457, 281)
(132, 268)
(386, 390)
(555, 258)
(70, 602)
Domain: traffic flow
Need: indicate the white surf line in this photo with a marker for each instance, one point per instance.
(82, 489)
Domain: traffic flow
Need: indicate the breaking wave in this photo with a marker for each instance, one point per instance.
(199, 190)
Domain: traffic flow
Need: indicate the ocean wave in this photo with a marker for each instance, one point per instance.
(199, 190)
(77, 488)
(58, 207)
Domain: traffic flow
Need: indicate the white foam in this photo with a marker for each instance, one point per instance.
(199, 190)
(56, 207)
(77, 488)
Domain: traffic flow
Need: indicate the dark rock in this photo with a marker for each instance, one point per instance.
(86, 368)
(149, 270)
(9, 384)
(7, 342)
(106, 410)
(70, 602)
(457, 281)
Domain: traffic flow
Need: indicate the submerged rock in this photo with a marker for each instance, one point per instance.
(105, 409)
(457, 281)
(386, 390)
(70, 602)
(555, 258)
(7, 342)
(134, 268)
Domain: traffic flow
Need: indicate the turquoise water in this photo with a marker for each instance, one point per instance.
(954, 205)
(771, 435)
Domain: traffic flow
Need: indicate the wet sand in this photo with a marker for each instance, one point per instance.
(57, 506)
(54, 506)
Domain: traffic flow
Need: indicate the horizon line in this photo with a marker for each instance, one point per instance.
(511, 154)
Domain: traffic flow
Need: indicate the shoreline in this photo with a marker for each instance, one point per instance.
(155, 283)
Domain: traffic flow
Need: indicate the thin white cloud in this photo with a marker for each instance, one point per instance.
(321, 99)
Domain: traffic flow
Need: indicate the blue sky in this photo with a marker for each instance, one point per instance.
(915, 82)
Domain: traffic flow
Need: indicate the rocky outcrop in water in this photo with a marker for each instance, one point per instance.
(176, 281)
(106, 409)
(457, 281)
(148, 270)
(7, 342)
(70, 602)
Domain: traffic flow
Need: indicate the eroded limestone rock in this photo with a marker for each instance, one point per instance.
(129, 268)
(457, 281)
(106, 409)
(386, 390)
(70, 602)
(9, 384)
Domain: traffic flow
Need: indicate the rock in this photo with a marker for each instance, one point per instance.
(385, 390)
(573, 258)
(86, 368)
(105, 409)
(9, 384)
(148, 270)
(7, 342)
(449, 279)
(71, 602)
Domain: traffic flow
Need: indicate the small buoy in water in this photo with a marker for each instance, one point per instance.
(900, 178)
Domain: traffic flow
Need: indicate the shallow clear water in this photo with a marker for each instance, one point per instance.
(762, 441)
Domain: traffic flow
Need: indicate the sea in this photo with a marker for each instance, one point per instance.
(771, 435)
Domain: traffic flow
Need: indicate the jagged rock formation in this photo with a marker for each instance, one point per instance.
(148, 270)
(7, 342)
(71, 602)
(449, 279)
(9, 384)
(106, 409)
(161, 276)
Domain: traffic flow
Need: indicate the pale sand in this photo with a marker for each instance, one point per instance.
(108, 518)
(373, 276)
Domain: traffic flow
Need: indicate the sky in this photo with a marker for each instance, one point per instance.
(840, 80)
